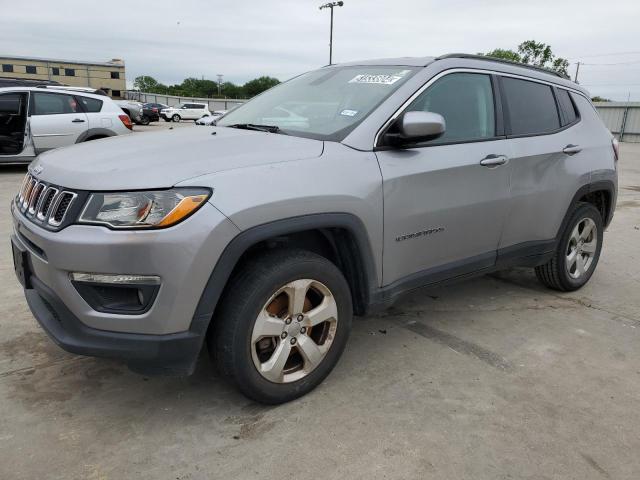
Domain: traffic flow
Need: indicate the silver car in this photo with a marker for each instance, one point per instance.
(326, 197)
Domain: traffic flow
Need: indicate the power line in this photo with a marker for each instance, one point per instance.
(605, 55)
(610, 84)
(609, 64)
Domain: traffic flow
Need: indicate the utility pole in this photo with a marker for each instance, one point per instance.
(219, 82)
(577, 70)
(331, 5)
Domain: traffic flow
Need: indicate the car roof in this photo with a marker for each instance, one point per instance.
(462, 60)
(53, 89)
(399, 61)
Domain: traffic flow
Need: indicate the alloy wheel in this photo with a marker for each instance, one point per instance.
(294, 331)
(582, 247)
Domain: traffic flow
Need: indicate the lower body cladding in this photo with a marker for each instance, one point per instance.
(129, 295)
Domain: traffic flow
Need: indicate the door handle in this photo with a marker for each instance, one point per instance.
(77, 120)
(494, 160)
(571, 149)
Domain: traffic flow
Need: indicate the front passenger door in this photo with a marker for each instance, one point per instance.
(57, 120)
(445, 201)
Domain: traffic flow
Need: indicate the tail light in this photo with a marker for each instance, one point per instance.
(616, 148)
(155, 109)
(126, 121)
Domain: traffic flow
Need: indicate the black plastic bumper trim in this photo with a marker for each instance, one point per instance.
(172, 354)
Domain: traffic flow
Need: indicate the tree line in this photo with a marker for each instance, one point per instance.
(202, 88)
(538, 54)
(528, 52)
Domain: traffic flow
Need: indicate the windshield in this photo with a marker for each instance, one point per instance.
(325, 104)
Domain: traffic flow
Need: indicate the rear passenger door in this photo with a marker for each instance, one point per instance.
(445, 201)
(546, 168)
(57, 120)
(92, 108)
(192, 112)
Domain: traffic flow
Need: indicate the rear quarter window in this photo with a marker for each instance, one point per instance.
(91, 105)
(531, 106)
(569, 114)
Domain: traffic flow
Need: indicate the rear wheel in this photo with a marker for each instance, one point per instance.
(176, 118)
(282, 325)
(144, 120)
(577, 253)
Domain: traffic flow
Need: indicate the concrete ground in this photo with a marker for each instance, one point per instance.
(496, 378)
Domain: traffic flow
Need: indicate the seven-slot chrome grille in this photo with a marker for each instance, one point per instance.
(44, 203)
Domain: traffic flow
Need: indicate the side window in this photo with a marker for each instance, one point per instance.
(54, 104)
(70, 72)
(531, 105)
(12, 104)
(465, 100)
(569, 114)
(91, 105)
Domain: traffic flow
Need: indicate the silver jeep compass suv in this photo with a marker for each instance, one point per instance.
(327, 196)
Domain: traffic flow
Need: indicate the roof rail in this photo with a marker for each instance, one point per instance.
(502, 60)
(95, 91)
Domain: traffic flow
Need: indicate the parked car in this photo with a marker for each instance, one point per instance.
(185, 111)
(134, 110)
(36, 119)
(149, 115)
(263, 240)
(211, 119)
(157, 106)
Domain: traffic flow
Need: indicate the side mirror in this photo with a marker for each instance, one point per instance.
(417, 127)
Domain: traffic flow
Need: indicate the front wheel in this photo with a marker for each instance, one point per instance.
(577, 253)
(282, 325)
(176, 118)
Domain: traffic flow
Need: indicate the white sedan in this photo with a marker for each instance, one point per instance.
(211, 119)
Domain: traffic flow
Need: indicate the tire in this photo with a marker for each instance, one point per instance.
(166, 119)
(238, 348)
(564, 273)
(175, 118)
(144, 120)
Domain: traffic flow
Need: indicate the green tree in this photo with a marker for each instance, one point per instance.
(505, 55)
(259, 85)
(231, 90)
(535, 53)
(600, 99)
(145, 83)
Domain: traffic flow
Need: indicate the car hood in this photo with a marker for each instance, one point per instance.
(163, 159)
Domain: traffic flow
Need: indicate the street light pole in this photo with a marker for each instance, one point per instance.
(331, 5)
(219, 82)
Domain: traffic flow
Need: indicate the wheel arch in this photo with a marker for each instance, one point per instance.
(341, 237)
(601, 194)
(94, 133)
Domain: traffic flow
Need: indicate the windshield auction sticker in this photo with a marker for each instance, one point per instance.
(379, 79)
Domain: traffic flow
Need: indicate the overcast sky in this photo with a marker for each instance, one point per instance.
(242, 39)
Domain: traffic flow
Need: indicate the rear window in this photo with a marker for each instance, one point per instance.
(569, 114)
(531, 105)
(91, 105)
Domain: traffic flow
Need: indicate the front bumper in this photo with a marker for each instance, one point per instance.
(167, 338)
(174, 354)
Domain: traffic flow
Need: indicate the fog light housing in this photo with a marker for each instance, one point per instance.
(123, 294)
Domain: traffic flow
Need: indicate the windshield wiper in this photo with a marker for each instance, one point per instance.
(259, 128)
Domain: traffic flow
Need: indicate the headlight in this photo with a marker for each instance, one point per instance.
(147, 209)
